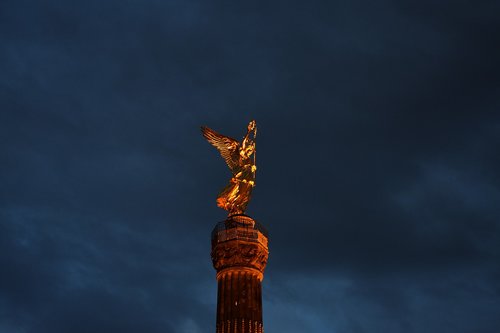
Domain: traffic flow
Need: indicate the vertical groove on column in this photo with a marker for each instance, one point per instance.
(219, 287)
(259, 293)
(230, 305)
(250, 298)
(220, 305)
(236, 299)
(256, 295)
(241, 302)
(227, 298)
(223, 298)
(244, 296)
(261, 312)
(254, 298)
(233, 292)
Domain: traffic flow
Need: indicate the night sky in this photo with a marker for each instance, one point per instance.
(377, 152)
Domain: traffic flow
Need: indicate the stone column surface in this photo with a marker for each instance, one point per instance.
(239, 255)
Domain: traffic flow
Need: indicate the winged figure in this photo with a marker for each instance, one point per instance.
(240, 158)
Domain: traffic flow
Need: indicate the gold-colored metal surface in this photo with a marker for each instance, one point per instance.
(240, 158)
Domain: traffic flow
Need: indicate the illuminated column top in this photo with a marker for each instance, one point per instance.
(239, 255)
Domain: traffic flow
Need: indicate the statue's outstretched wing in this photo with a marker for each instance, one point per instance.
(228, 147)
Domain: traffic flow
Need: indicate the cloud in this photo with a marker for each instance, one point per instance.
(377, 155)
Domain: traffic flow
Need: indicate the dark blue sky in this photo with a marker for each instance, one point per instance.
(378, 156)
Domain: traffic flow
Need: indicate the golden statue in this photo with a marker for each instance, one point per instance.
(240, 158)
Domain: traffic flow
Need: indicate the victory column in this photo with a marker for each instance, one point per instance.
(239, 244)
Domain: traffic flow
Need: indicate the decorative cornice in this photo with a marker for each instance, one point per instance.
(238, 253)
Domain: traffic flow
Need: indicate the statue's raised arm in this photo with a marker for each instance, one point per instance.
(240, 158)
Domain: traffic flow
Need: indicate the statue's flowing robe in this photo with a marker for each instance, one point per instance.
(235, 196)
